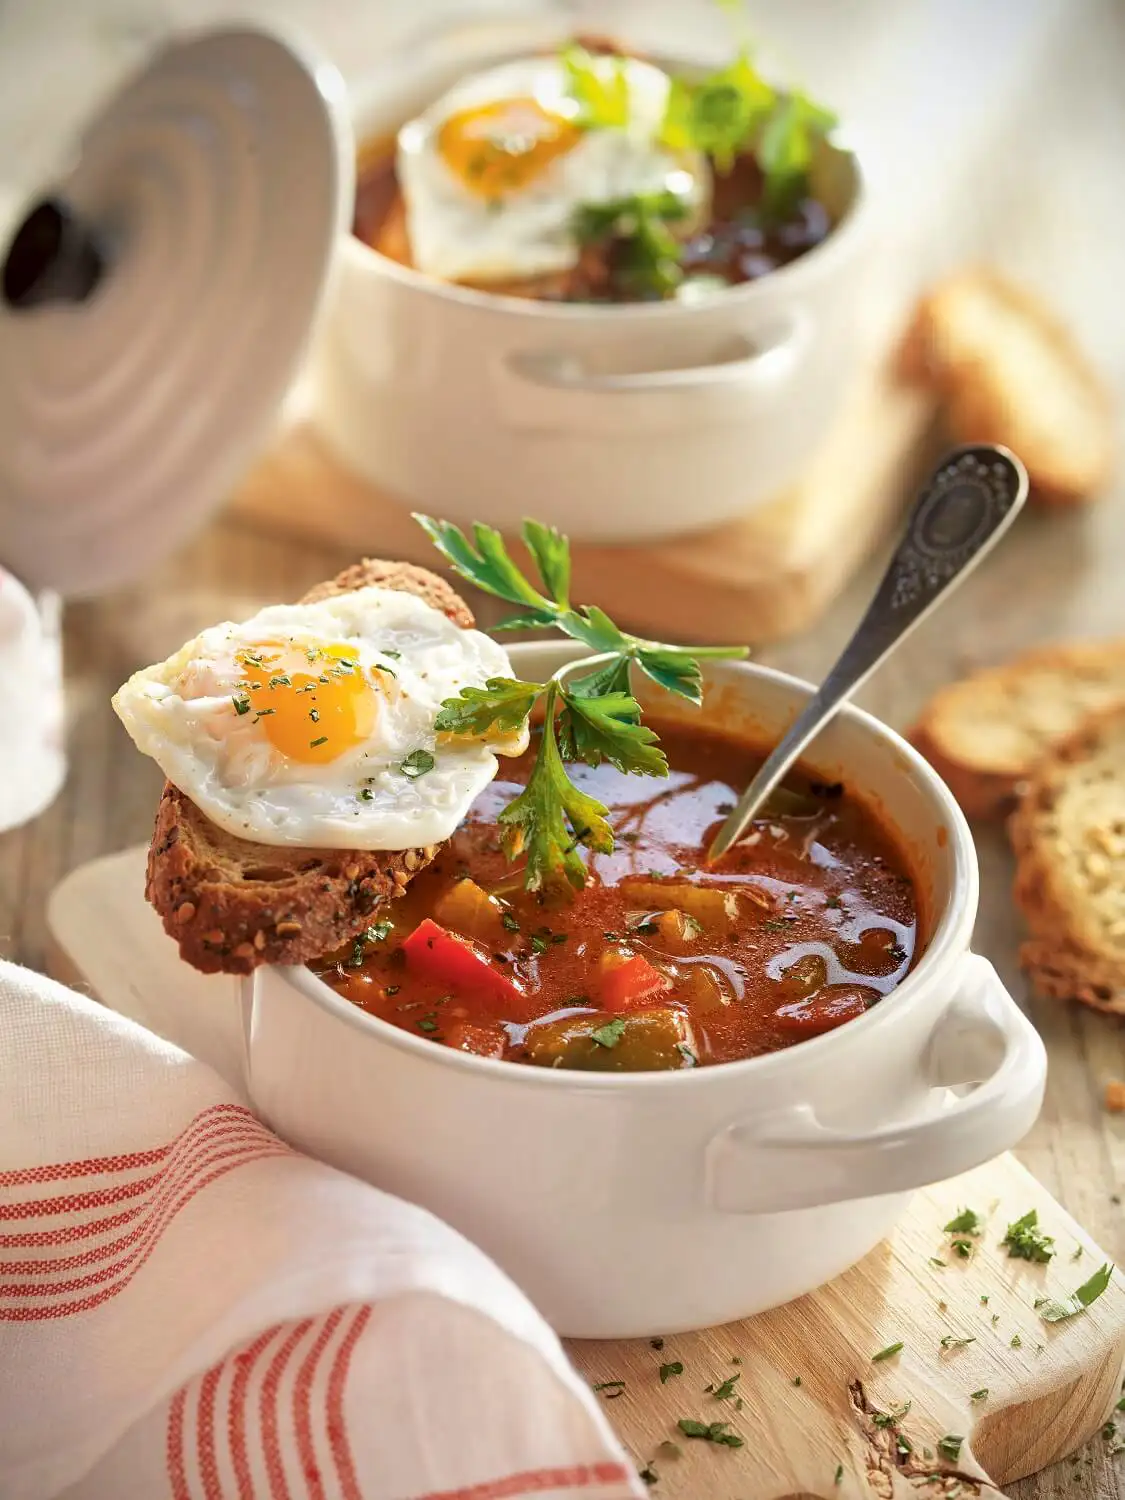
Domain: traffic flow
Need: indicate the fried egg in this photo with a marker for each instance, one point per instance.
(313, 724)
(494, 172)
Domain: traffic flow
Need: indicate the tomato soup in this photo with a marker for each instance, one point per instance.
(659, 962)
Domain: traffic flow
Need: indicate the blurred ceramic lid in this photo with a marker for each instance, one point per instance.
(157, 302)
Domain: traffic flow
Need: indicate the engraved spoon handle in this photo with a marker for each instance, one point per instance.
(963, 510)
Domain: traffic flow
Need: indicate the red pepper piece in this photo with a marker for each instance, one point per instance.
(632, 985)
(441, 956)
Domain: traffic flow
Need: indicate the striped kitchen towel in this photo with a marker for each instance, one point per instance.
(190, 1309)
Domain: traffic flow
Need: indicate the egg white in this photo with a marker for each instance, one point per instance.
(457, 235)
(181, 713)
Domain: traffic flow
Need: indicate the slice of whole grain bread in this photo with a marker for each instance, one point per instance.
(1010, 373)
(232, 905)
(1068, 834)
(985, 734)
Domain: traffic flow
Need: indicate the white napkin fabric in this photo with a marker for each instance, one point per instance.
(190, 1309)
(32, 761)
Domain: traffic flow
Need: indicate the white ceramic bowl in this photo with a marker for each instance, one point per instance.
(622, 422)
(634, 1204)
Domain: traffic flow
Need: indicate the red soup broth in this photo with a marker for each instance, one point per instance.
(660, 962)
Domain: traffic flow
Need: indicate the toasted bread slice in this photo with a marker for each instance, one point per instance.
(1010, 373)
(232, 905)
(1068, 833)
(985, 734)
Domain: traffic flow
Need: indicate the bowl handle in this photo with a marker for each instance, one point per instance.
(789, 1159)
(555, 391)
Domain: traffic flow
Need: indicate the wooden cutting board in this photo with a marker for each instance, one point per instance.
(807, 1394)
(769, 575)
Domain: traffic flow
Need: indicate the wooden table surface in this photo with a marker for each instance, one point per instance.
(1057, 576)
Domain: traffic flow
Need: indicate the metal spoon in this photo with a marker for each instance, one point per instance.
(963, 511)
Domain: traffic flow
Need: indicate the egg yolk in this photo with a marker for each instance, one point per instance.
(500, 147)
(313, 700)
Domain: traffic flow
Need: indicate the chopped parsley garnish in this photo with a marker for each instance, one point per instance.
(965, 1222)
(323, 740)
(674, 1367)
(964, 1248)
(610, 1034)
(417, 763)
(646, 254)
(657, 1343)
(609, 1388)
(687, 1054)
(241, 704)
(951, 1342)
(796, 1380)
(508, 921)
(725, 1391)
(1026, 1241)
(1015, 1341)
(379, 932)
(591, 718)
(891, 1418)
(428, 1023)
(934, 1261)
(950, 1447)
(281, 681)
(888, 1353)
(839, 1479)
(538, 944)
(314, 715)
(365, 794)
(1056, 1312)
(710, 1432)
(648, 1474)
(981, 1395)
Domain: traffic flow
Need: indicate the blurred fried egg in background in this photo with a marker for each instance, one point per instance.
(496, 170)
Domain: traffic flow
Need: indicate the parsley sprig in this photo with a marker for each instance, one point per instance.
(591, 717)
(646, 252)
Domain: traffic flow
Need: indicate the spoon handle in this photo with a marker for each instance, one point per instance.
(963, 510)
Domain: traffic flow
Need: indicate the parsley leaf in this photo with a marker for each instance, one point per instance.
(551, 817)
(599, 86)
(888, 1353)
(417, 763)
(967, 1221)
(725, 1391)
(710, 1432)
(720, 114)
(785, 150)
(646, 255)
(1056, 1312)
(1026, 1241)
(950, 1447)
(608, 728)
(487, 564)
(551, 552)
(610, 1034)
(502, 703)
(674, 1367)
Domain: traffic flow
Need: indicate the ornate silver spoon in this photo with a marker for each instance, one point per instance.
(965, 508)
